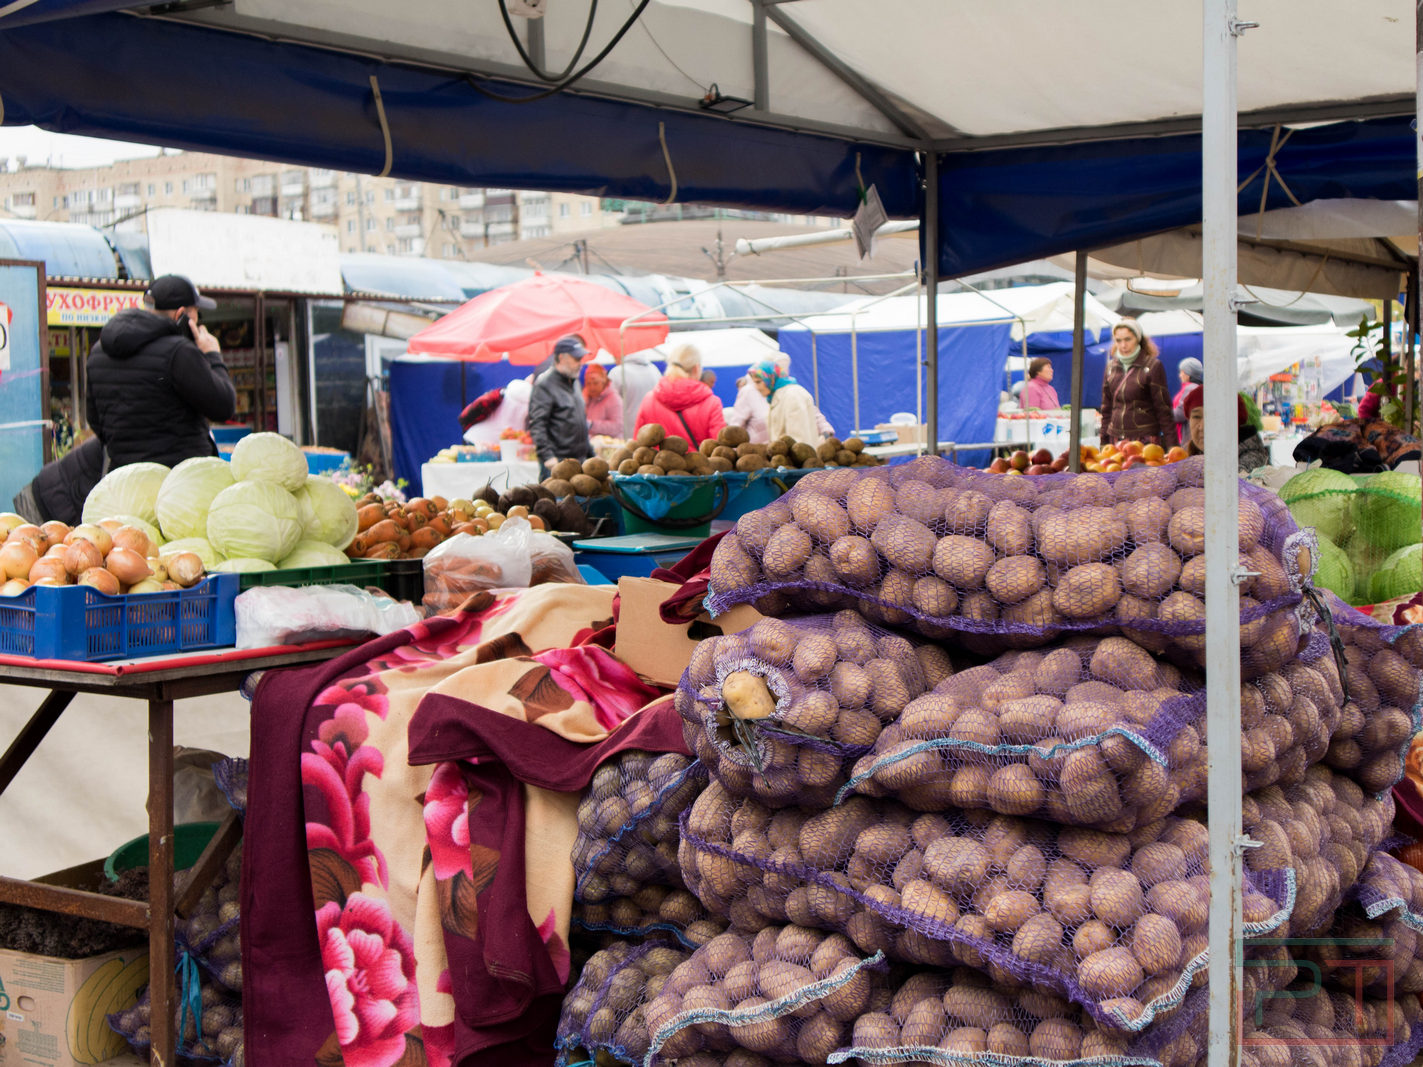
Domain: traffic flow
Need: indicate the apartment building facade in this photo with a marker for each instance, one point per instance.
(370, 214)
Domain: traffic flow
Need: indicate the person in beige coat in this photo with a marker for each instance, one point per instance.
(793, 411)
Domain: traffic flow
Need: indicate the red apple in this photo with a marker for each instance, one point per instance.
(999, 466)
(1059, 464)
(1042, 456)
(1039, 468)
(1020, 460)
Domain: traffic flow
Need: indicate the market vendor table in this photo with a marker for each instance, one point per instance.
(160, 680)
(460, 480)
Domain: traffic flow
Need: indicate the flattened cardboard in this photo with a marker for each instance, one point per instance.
(655, 650)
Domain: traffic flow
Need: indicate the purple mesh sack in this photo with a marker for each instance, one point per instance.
(997, 562)
(627, 824)
(1115, 923)
(1307, 1026)
(208, 1020)
(1323, 830)
(604, 1014)
(1384, 675)
(211, 935)
(959, 1017)
(782, 710)
(1376, 943)
(652, 911)
(786, 994)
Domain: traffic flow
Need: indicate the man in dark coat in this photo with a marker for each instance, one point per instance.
(558, 422)
(156, 379)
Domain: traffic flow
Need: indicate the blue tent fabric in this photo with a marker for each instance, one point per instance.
(68, 250)
(425, 408)
(50, 10)
(207, 90)
(1005, 206)
(970, 377)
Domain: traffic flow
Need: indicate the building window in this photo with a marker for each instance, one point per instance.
(371, 197)
(350, 199)
(167, 188)
(370, 225)
(586, 207)
(351, 226)
(24, 200)
(389, 195)
(152, 188)
(390, 249)
(563, 211)
(390, 224)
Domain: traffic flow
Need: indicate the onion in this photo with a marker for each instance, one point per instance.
(17, 557)
(134, 538)
(148, 585)
(185, 568)
(14, 587)
(89, 531)
(158, 568)
(101, 580)
(110, 525)
(82, 555)
(56, 550)
(48, 581)
(49, 567)
(31, 533)
(127, 565)
(9, 520)
(54, 531)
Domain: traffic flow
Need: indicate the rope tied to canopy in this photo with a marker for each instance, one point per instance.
(667, 156)
(1271, 171)
(384, 127)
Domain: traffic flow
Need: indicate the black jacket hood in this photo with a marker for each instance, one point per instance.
(131, 329)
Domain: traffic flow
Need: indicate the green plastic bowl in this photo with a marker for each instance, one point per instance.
(189, 840)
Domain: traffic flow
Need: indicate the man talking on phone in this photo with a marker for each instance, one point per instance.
(156, 378)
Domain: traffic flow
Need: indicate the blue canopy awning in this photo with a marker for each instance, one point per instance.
(67, 249)
(26, 12)
(208, 90)
(1010, 205)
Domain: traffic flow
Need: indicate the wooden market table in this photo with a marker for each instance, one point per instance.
(160, 680)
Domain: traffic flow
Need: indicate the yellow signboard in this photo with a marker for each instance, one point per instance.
(88, 307)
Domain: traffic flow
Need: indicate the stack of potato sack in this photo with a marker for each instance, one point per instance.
(1025, 830)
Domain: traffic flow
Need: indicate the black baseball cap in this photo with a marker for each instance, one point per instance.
(572, 345)
(173, 291)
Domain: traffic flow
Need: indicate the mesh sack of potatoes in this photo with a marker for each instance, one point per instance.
(209, 1024)
(651, 911)
(782, 710)
(1306, 1025)
(999, 562)
(210, 934)
(1376, 942)
(627, 824)
(959, 1016)
(603, 1014)
(1114, 922)
(786, 993)
(1323, 829)
(1384, 676)
(1097, 732)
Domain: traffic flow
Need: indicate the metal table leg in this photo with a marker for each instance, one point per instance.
(160, 882)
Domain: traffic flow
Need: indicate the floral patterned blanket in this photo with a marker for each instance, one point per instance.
(407, 881)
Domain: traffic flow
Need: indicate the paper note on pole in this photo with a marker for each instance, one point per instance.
(6, 318)
(869, 217)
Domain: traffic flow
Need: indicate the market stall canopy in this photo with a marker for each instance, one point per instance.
(1028, 308)
(1032, 139)
(718, 348)
(1260, 306)
(68, 249)
(520, 322)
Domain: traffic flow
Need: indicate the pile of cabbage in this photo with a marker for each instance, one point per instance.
(1369, 531)
(262, 511)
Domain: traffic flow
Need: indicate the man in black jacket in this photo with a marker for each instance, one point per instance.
(156, 379)
(558, 422)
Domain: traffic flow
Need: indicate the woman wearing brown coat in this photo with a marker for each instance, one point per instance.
(1136, 404)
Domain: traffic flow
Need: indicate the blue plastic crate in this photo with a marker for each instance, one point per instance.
(78, 622)
(230, 435)
(325, 462)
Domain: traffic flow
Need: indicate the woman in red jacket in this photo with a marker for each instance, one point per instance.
(682, 404)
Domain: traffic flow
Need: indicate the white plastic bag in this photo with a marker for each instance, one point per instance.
(283, 615)
(466, 564)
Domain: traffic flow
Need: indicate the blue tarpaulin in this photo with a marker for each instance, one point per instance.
(208, 90)
(67, 249)
(970, 376)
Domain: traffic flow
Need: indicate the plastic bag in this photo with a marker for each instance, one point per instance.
(283, 615)
(550, 560)
(466, 564)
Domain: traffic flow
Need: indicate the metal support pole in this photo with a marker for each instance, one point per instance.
(855, 371)
(760, 64)
(1224, 784)
(1410, 320)
(1079, 360)
(931, 287)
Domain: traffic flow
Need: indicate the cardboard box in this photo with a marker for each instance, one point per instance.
(655, 650)
(52, 1011)
(917, 434)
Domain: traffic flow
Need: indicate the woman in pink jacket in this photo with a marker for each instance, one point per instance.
(1038, 391)
(603, 405)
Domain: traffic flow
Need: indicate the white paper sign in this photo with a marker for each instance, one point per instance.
(869, 217)
(6, 318)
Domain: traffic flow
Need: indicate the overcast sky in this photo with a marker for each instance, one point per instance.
(64, 150)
